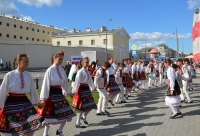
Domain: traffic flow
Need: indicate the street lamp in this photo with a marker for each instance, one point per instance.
(106, 36)
(177, 46)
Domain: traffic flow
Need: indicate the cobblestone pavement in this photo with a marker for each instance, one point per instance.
(145, 114)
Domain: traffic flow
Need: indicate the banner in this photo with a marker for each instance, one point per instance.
(76, 58)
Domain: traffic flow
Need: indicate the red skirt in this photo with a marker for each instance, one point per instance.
(127, 82)
(143, 76)
(135, 77)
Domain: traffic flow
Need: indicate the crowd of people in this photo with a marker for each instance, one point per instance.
(113, 81)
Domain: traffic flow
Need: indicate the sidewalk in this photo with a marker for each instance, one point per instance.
(145, 114)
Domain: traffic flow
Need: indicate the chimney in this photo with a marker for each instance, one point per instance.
(88, 29)
(102, 29)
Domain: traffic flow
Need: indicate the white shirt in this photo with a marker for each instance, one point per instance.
(171, 75)
(83, 77)
(118, 79)
(115, 66)
(98, 77)
(12, 83)
(143, 69)
(51, 78)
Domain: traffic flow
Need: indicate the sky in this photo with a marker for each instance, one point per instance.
(147, 21)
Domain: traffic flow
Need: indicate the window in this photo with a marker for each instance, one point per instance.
(38, 30)
(7, 35)
(43, 40)
(26, 38)
(38, 40)
(15, 26)
(0, 34)
(7, 24)
(104, 41)
(43, 31)
(0, 23)
(92, 42)
(69, 43)
(21, 27)
(58, 43)
(80, 42)
(21, 37)
(32, 39)
(26, 28)
(32, 29)
(15, 36)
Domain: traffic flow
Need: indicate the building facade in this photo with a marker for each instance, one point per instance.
(18, 30)
(117, 40)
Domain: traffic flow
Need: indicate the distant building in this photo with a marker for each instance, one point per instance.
(17, 30)
(166, 51)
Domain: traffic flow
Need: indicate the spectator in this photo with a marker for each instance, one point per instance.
(92, 69)
(2, 66)
(7, 66)
(67, 68)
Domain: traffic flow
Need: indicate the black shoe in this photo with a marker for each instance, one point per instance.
(117, 102)
(186, 101)
(85, 121)
(180, 106)
(149, 87)
(105, 113)
(174, 116)
(99, 114)
(123, 101)
(153, 85)
(182, 101)
(58, 133)
(80, 126)
(111, 103)
(138, 88)
(190, 102)
(107, 107)
(179, 113)
(156, 86)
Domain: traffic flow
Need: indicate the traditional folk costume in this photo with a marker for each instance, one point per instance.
(173, 101)
(118, 79)
(143, 76)
(162, 73)
(83, 100)
(100, 82)
(92, 71)
(138, 73)
(151, 72)
(184, 72)
(192, 74)
(127, 81)
(17, 114)
(157, 75)
(56, 109)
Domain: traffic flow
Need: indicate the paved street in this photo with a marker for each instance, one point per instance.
(145, 114)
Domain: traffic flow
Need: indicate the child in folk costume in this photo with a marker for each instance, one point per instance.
(112, 87)
(151, 72)
(172, 99)
(56, 109)
(100, 82)
(119, 79)
(17, 114)
(143, 75)
(83, 100)
(135, 76)
(184, 72)
(162, 72)
(190, 71)
(138, 71)
(157, 74)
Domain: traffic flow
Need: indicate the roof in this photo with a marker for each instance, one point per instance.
(119, 31)
(154, 50)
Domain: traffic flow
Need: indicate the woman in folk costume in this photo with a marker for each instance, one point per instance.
(119, 80)
(17, 114)
(135, 76)
(143, 75)
(157, 74)
(56, 109)
(172, 99)
(162, 73)
(184, 72)
(83, 100)
(151, 72)
(100, 82)
(112, 87)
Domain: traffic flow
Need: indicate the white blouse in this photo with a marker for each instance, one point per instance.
(12, 83)
(171, 75)
(156, 67)
(143, 69)
(83, 77)
(52, 78)
(118, 79)
(134, 69)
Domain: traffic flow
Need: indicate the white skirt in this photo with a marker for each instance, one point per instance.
(173, 100)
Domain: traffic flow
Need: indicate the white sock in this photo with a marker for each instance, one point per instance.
(46, 129)
(61, 127)
(85, 114)
(173, 109)
(177, 109)
(78, 118)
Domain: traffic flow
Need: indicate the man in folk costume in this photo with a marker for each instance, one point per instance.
(17, 113)
(112, 87)
(184, 72)
(135, 76)
(83, 100)
(119, 80)
(162, 72)
(100, 81)
(191, 72)
(151, 73)
(157, 74)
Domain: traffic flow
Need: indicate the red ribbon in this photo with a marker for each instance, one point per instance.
(25, 54)
(63, 53)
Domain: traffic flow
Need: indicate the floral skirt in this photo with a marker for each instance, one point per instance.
(56, 109)
(83, 100)
(18, 116)
(113, 87)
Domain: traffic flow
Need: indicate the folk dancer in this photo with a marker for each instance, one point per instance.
(191, 72)
(17, 114)
(151, 73)
(143, 72)
(162, 73)
(135, 76)
(172, 99)
(100, 82)
(157, 74)
(83, 100)
(54, 89)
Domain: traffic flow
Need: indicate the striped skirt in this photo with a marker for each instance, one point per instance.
(127, 81)
(18, 116)
(56, 109)
(83, 100)
(113, 87)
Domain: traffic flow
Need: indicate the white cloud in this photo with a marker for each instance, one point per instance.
(193, 3)
(39, 3)
(8, 8)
